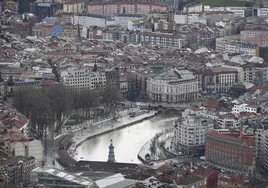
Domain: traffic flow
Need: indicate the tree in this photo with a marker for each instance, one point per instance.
(1, 78)
(35, 104)
(41, 115)
(60, 103)
(89, 99)
(110, 96)
(76, 102)
(23, 101)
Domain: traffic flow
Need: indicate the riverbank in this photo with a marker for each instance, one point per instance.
(105, 127)
(158, 142)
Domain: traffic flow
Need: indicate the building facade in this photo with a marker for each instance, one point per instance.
(83, 79)
(42, 10)
(190, 133)
(218, 79)
(172, 86)
(258, 37)
(114, 8)
(232, 152)
(74, 7)
(18, 170)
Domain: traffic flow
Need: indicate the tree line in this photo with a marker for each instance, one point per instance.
(47, 108)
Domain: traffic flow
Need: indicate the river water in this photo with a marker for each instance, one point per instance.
(127, 141)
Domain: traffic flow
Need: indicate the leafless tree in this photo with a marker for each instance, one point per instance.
(110, 96)
(60, 103)
(89, 100)
(35, 104)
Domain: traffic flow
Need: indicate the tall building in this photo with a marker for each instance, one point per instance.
(174, 85)
(231, 152)
(190, 131)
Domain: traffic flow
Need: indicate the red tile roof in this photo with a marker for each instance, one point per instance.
(250, 140)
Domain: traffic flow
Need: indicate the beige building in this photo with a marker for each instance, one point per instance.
(74, 6)
(218, 79)
(174, 85)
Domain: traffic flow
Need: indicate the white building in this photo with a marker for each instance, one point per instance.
(240, 72)
(196, 18)
(198, 7)
(83, 79)
(174, 85)
(190, 132)
(181, 18)
(250, 108)
(239, 11)
(36, 150)
(49, 177)
(88, 20)
(262, 12)
(124, 19)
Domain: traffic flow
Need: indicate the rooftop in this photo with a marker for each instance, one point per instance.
(64, 175)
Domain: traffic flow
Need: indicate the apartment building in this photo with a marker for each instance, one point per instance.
(250, 108)
(174, 85)
(162, 40)
(240, 71)
(258, 37)
(218, 79)
(264, 149)
(190, 133)
(231, 152)
(262, 12)
(18, 170)
(118, 7)
(83, 79)
(58, 30)
(238, 11)
(74, 6)
(228, 40)
(88, 20)
(256, 129)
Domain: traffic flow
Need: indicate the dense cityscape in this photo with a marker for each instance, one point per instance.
(133, 94)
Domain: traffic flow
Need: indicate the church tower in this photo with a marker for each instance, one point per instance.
(111, 157)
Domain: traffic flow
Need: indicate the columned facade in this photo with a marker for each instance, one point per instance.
(173, 86)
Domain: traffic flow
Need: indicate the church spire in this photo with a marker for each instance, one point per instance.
(111, 157)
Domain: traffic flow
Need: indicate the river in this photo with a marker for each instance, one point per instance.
(127, 141)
